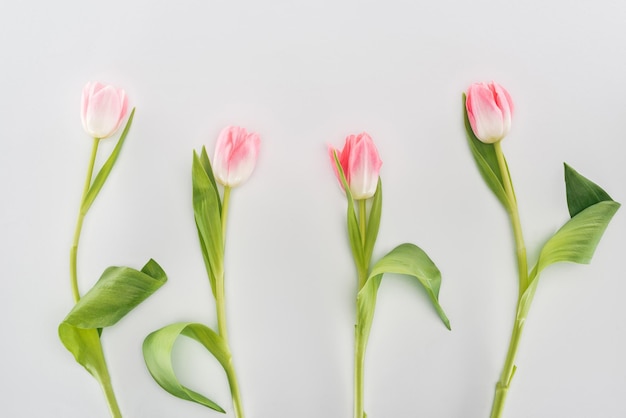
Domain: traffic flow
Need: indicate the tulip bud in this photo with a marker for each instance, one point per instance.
(103, 108)
(236, 152)
(360, 163)
(489, 110)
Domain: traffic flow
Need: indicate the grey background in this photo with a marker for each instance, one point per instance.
(304, 75)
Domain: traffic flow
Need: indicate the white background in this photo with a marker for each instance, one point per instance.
(304, 75)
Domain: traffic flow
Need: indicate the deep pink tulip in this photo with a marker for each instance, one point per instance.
(236, 152)
(360, 163)
(489, 109)
(103, 109)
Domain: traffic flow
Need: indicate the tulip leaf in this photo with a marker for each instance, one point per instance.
(486, 160)
(581, 192)
(157, 352)
(373, 222)
(117, 292)
(84, 344)
(407, 259)
(104, 172)
(576, 241)
(354, 233)
(206, 164)
(591, 209)
(206, 210)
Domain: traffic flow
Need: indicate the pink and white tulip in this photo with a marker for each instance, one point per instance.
(489, 109)
(360, 163)
(236, 153)
(103, 109)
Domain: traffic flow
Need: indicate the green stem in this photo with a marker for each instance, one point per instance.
(79, 223)
(520, 247)
(359, 341)
(362, 270)
(105, 382)
(509, 368)
(103, 377)
(359, 361)
(234, 390)
(225, 202)
(220, 303)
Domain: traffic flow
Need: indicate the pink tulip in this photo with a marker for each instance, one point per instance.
(103, 108)
(360, 163)
(489, 109)
(235, 155)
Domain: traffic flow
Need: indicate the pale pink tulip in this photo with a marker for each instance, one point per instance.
(103, 109)
(360, 163)
(236, 152)
(489, 109)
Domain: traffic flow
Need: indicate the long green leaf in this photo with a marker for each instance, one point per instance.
(354, 233)
(407, 259)
(104, 172)
(373, 222)
(206, 164)
(157, 352)
(206, 210)
(486, 160)
(118, 291)
(581, 192)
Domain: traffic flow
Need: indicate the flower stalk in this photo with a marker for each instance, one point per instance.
(220, 304)
(502, 386)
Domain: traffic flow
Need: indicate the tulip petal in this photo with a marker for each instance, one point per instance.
(103, 108)
(235, 157)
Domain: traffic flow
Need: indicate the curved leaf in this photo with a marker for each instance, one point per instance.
(106, 168)
(407, 259)
(576, 241)
(157, 353)
(486, 160)
(118, 291)
(581, 192)
(207, 214)
(84, 344)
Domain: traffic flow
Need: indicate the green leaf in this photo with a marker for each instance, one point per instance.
(487, 161)
(118, 291)
(206, 164)
(157, 352)
(373, 222)
(106, 168)
(576, 241)
(581, 192)
(407, 259)
(354, 233)
(206, 210)
(84, 344)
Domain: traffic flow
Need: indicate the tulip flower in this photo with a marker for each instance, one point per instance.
(103, 108)
(236, 152)
(489, 110)
(360, 163)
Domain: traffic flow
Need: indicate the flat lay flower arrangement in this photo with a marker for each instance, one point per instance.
(488, 115)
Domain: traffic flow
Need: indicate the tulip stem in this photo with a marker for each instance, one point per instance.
(359, 341)
(104, 379)
(508, 371)
(520, 247)
(79, 223)
(220, 303)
